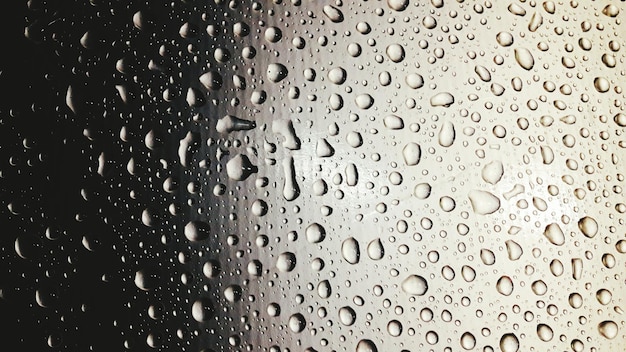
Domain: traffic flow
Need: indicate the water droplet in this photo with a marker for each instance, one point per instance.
(604, 296)
(197, 231)
(366, 346)
(422, 190)
(524, 58)
(412, 153)
(535, 22)
(147, 279)
(468, 341)
(487, 256)
(393, 122)
(347, 315)
(575, 300)
(518, 11)
(333, 13)
(276, 72)
(483, 202)
(601, 84)
(554, 234)
(509, 343)
(395, 52)
(230, 123)
(610, 10)
(296, 323)
(375, 249)
(323, 149)
(324, 289)
(286, 262)
(350, 250)
(398, 5)
(240, 167)
(483, 73)
(504, 38)
(608, 329)
(493, 172)
(337, 75)
(415, 285)
(447, 134)
(202, 310)
(588, 226)
(286, 129)
(364, 101)
(514, 250)
(444, 99)
(544, 332)
(315, 233)
(352, 174)
(505, 285)
(414, 80)
(447, 204)
(468, 273)
(394, 328)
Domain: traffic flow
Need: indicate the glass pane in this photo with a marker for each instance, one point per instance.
(313, 176)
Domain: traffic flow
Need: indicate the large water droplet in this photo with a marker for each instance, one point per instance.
(483, 202)
(554, 234)
(509, 343)
(276, 72)
(505, 285)
(350, 250)
(608, 329)
(415, 285)
(524, 58)
(447, 134)
(444, 99)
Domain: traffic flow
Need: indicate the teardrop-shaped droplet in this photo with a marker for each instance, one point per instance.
(524, 58)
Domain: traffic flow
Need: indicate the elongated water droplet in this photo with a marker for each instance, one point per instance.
(333, 13)
(291, 190)
(350, 250)
(393, 122)
(524, 58)
(444, 99)
(231, 123)
(447, 134)
(375, 249)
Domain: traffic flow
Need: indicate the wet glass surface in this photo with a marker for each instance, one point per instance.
(313, 176)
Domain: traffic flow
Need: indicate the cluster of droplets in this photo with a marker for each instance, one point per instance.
(365, 176)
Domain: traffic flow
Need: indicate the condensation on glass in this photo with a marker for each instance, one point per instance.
(318, 176)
